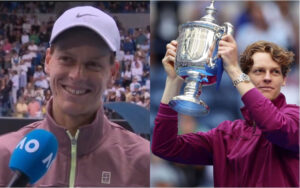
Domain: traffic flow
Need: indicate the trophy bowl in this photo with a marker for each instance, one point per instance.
(197, 61)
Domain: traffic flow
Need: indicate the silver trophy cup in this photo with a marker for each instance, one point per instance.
(196, 60)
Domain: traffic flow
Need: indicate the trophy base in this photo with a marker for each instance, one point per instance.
(189, 106)
(210, 78)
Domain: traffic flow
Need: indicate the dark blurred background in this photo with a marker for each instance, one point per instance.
(276, 21)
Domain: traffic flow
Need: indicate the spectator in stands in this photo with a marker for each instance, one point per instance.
(27, 57)
(137, 66)
(146, 72)
(40, 78)
(126, 75)
(15, 85)
(5, 102)
(145, 92)
(23, 69)
(36, 24)
(39, 96)
(147, 102)
(47, 95)
(39, 91)
(44, 37)
(128, 94)
(7, 46)
(24, 37)
(140, 38)
(50, 24)
(2, 78)
(32, 48)
(133, 97)
(34, 38)
(136, 89)
(120, 55)
(18, 27)
(16, 38)
(21, 108)
(34, 108)
(15, 59)
(119, 90)
(79, 72)
(111, 97)
(134, 84)
(128, 45)
(7, 63)
(29, 91)
(145, 46)
(138, 100)
(26, 25)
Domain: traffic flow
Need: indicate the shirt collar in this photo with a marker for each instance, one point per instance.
(89, 136)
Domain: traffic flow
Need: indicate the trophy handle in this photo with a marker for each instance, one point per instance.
(213, 59)
(228, 28)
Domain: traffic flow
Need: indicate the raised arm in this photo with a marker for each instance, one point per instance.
(173, 81)
(228, 51)
(193, 148)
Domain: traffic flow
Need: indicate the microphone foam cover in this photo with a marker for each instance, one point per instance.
(34, 154)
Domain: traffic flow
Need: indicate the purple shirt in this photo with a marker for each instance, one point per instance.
(262, 150)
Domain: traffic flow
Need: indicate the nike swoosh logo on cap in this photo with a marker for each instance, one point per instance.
(81, 15)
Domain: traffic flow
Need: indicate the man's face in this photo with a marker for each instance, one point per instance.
(79, 70)
(266, 75)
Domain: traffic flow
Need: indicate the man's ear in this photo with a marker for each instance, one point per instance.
(47, 60)
(115, 69)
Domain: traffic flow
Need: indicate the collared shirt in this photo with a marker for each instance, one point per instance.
(262, 150)
(101, 154)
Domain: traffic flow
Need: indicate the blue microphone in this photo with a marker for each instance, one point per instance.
(32, 157)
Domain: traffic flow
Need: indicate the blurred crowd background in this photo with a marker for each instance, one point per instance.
(275, 21)
(25, 29)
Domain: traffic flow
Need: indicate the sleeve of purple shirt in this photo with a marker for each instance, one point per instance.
(193, 148)
(280, 126)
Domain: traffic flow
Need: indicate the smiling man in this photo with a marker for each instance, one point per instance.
(260, 150)
(79, 72)
(93, 151)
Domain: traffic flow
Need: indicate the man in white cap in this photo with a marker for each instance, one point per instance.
(92, 150)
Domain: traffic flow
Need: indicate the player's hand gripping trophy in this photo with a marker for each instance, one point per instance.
(197, 61)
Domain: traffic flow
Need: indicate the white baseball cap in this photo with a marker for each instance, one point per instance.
(92, 18)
